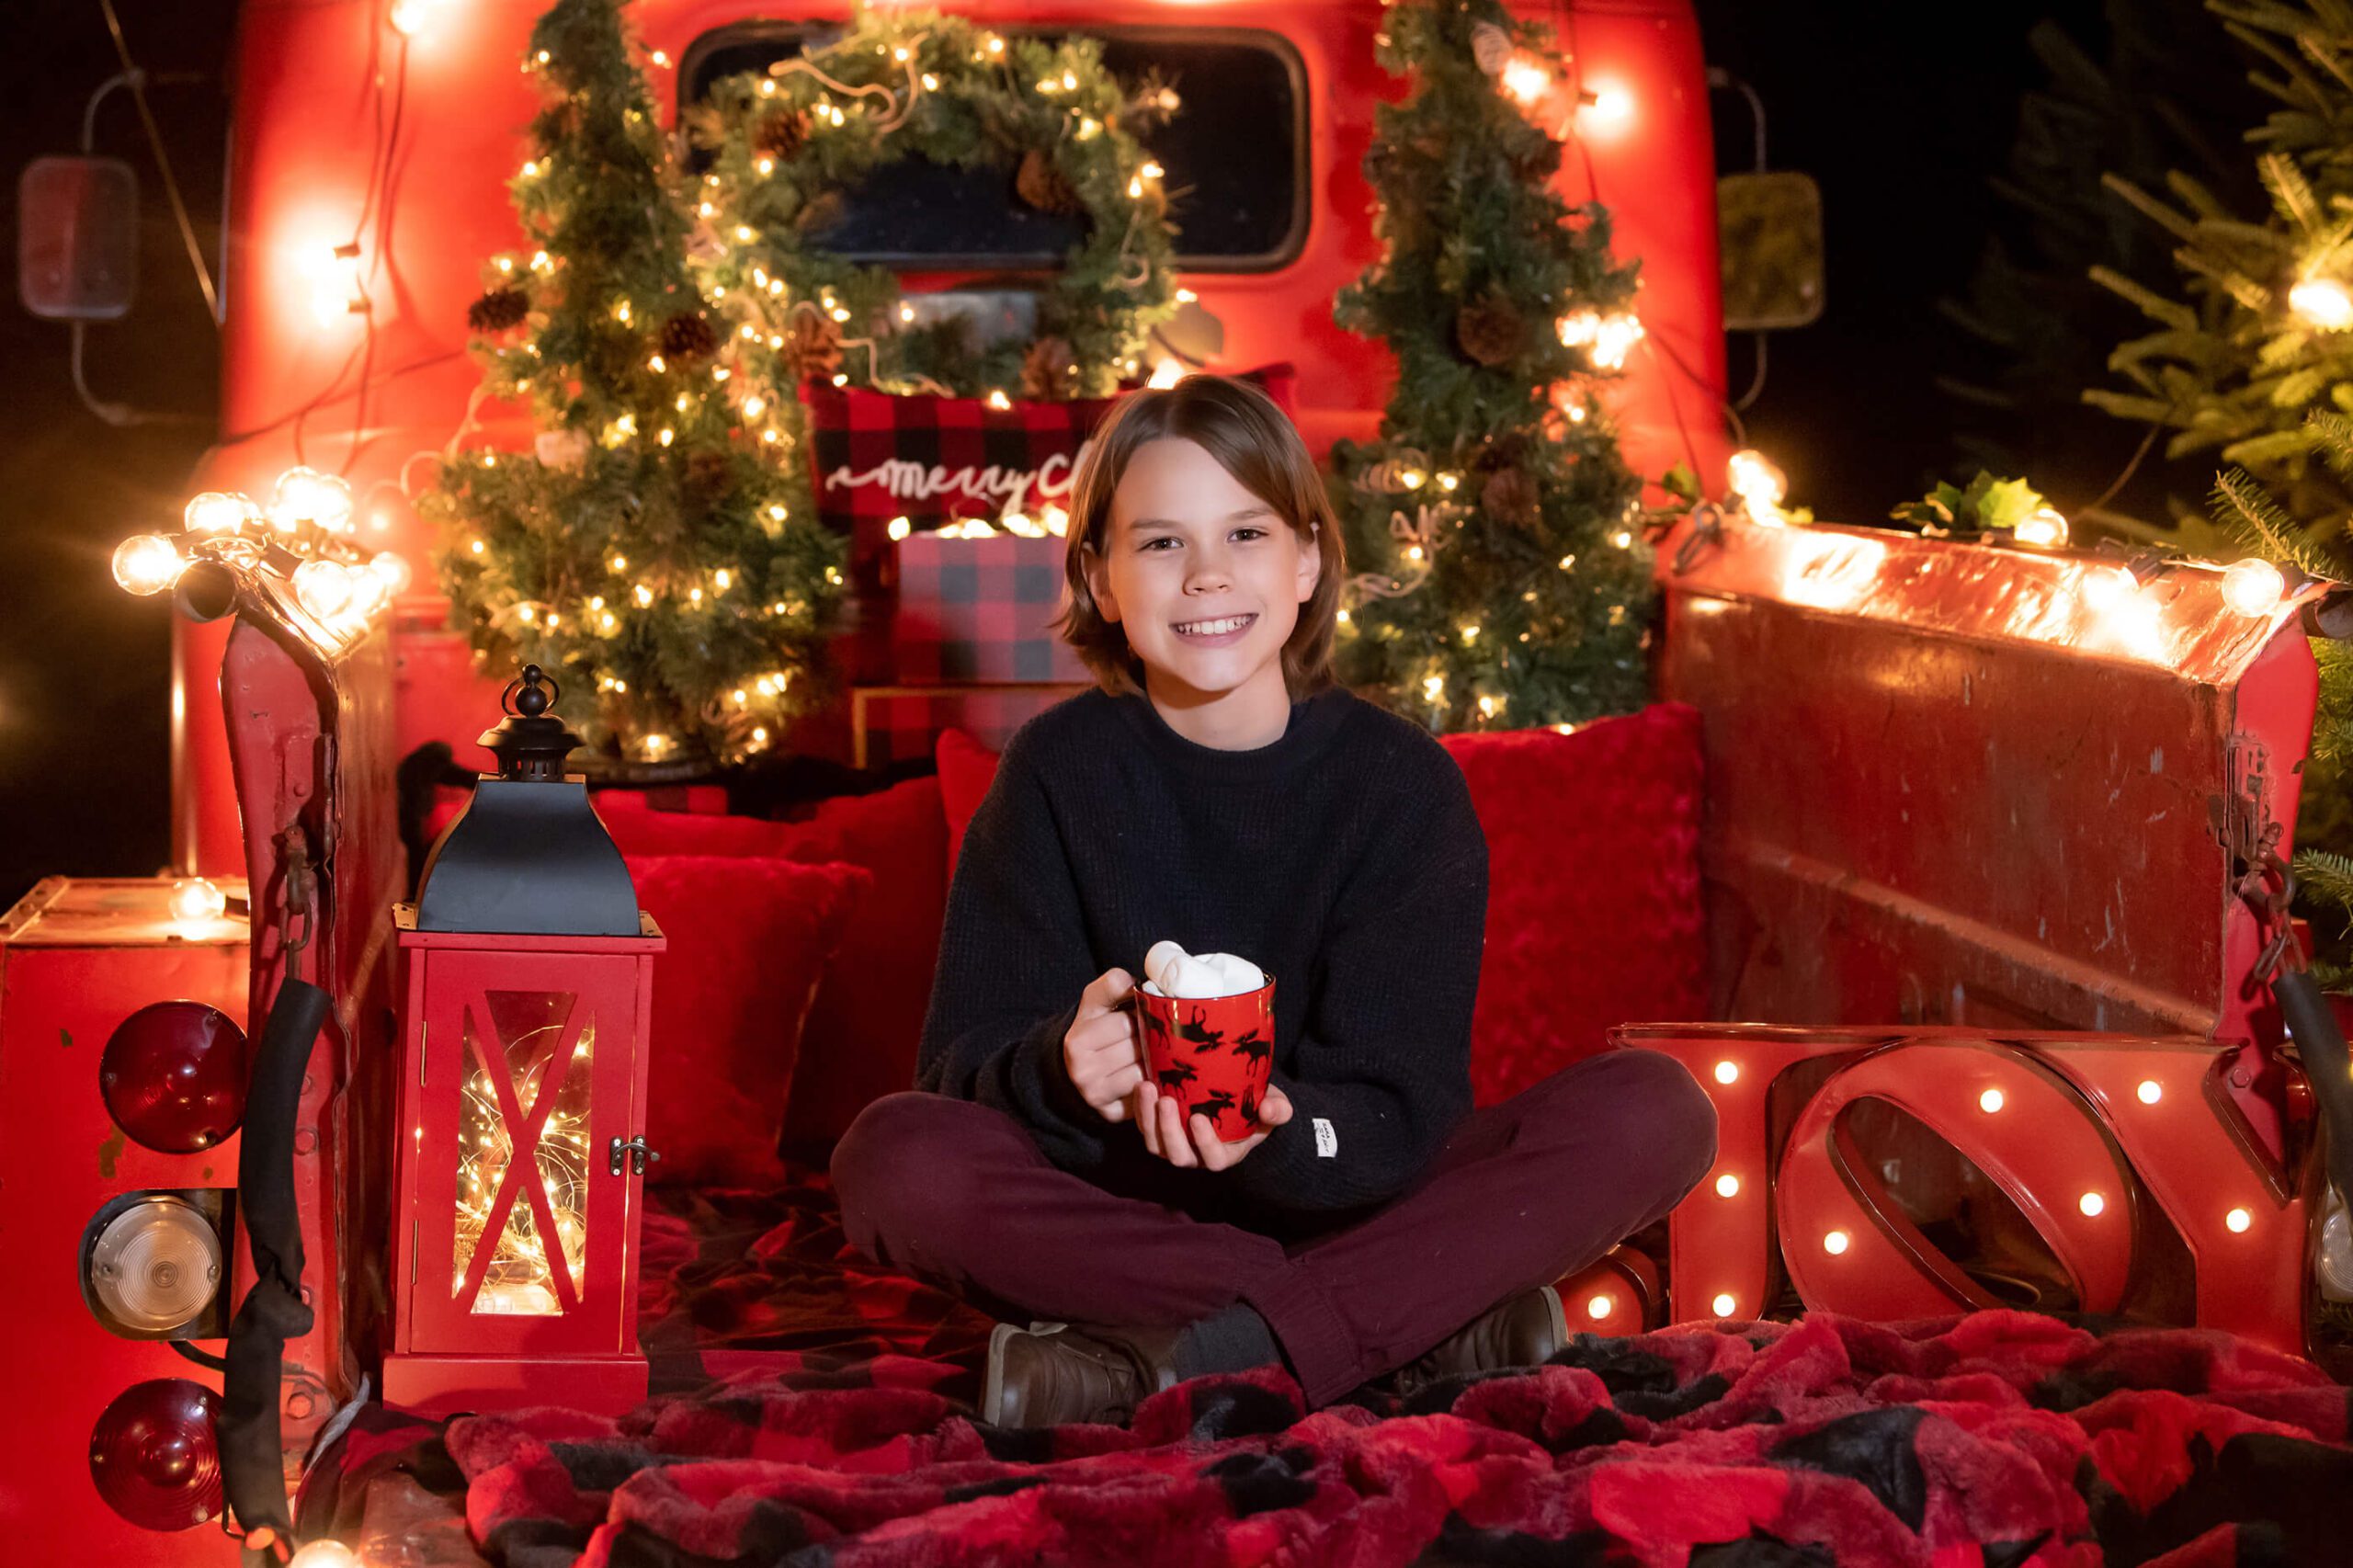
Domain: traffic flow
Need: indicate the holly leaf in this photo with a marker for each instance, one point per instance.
(2002, 503)
(1680, 482)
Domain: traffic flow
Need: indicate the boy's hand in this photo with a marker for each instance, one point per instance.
(1103, 1049)
(1161, 1118)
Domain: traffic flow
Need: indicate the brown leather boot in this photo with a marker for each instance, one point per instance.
(1525, 1330)
(1050, 1373)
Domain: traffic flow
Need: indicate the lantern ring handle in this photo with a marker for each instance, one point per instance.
(531, 677)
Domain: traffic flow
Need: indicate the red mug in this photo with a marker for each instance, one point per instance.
(1211, 1054)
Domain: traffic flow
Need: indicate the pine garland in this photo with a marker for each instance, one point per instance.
(1510, 584)
(658, 550)
(1062, 129)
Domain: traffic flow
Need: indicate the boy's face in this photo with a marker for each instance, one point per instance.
(1187, 543)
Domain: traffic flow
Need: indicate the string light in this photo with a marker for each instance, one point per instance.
(2322, 302)
(1727, 1072)
(1723, 1304)
(1990, 1101)
(1526, 81)
(1760, 484)
(1835, 1243)
(1727, 1185)
(2091, 1203)
(338, 284)
(1599, 1307)
(195, 899)
(2253, 586)
(2238, 1219)
(322, 588)
(147, 563)
(2044, 528)
(2149, 1091)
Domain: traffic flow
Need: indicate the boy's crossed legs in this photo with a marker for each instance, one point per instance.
(1520, 1194)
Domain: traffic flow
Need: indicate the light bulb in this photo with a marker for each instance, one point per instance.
(323, 587)
(2149, 1091)
(1990, 1101)
(2091, 1203)
(1526, 81)
(2253, 586)
(2045, 526)
(900, 527)
(1168, 373)
(326, 1554)
(393, 569)
(2238, 1219)
(1835, 1243)
(218, 511)
(194, 898)
(2323, 302)
(147, 563)
(369, 593)
(1727, 1072)
(1755, 479)
(1723, 1304)
(305, 494)
(1727, 1185)
(1599, 1307)
(1607, 107)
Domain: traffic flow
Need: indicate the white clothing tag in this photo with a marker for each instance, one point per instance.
(1327, 1142)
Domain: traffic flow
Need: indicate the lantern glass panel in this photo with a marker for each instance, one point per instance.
(522, 1153)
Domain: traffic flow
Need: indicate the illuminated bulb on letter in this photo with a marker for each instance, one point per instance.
(1723, 1304)
(194, 899)
(1727, 1185)
(1612, 106)
(1836, 1242)
(2149, 1091)
(2323, 302)
(1990, 1101)
(326, 1554)
(147, 563)
(1599, 1307)
(2238, 1219)
(2091, 1203)
(1727, 1072)
(2253, 586)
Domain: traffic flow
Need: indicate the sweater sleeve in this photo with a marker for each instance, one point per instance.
(1013, 959)
(1381, 1073)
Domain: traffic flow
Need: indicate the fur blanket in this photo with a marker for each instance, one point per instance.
(818, 1414)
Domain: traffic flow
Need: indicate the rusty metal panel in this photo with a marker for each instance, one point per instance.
(1954, 783)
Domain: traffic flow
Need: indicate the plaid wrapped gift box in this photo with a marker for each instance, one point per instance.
(932, 461)
(978, 608)
(891, 723)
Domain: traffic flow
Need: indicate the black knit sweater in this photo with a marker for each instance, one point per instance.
(1343, 859)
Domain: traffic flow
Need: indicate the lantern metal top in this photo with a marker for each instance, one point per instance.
(527, 855)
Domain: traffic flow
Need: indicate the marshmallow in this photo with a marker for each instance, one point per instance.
(1174, 973)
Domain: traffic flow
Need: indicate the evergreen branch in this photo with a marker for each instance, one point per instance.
(2151, 304)
(2240, 504)
(2325, 874)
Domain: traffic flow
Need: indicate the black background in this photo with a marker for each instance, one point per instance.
(1899, 112)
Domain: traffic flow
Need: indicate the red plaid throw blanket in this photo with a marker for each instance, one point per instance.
(1997, 1439)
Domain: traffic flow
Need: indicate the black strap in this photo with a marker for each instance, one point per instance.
(252, 1463)
(2320, 1044)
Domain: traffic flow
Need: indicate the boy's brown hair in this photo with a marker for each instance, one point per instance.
(1255, 442)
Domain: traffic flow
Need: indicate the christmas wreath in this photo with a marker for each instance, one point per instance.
(787, 146)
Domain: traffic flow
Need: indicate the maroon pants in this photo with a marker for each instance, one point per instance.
(1520, 1194)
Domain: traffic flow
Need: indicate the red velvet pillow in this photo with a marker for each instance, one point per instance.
(1593, 889)
(868, 1019)
(640, 829)
(748, 940)
(967, 768)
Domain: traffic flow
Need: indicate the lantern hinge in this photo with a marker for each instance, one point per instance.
(638, 1155)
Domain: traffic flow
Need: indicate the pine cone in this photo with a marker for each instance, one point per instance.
(821, 213)
(687, 337)
(1509, 496)
(1043, 186)
(781, 134)
(1046, 368)
(812, 351)
(498, 310)
(1491, 331)
(707, 474)
(1541, 159)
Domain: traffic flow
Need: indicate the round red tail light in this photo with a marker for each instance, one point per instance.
(155, 1457)
(174, 1077)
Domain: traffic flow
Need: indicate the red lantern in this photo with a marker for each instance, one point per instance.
(522, 1096)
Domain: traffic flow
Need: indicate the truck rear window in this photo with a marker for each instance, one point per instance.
(1236, 155)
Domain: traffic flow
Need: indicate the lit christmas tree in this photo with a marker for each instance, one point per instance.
(1508, 585)
(657, 549)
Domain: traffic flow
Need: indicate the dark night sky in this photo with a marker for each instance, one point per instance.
(1901, 114)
